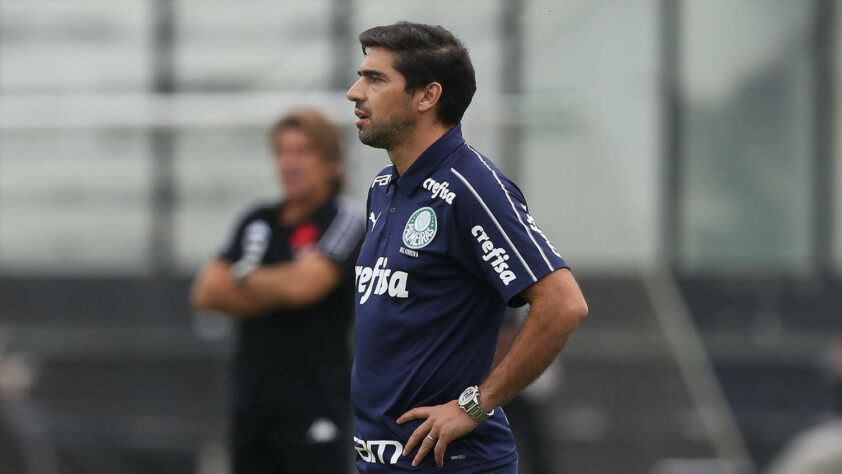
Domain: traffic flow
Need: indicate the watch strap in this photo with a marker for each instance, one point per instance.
(469, 403)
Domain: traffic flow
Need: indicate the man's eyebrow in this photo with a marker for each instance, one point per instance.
(370, 72)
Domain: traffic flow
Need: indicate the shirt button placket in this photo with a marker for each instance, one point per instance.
(386, 233)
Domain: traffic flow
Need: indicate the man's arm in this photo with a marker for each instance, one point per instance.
(298, 283)
(557, 308)
(214, 289)
(301, 282)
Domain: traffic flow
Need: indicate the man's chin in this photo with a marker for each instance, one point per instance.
(369, 140)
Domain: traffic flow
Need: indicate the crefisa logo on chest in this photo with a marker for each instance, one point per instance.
(420, 228)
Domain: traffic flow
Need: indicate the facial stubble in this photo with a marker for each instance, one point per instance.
(388, 135)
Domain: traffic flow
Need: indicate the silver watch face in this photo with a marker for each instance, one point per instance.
(467, 395)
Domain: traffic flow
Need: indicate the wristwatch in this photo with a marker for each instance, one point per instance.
(469, 403)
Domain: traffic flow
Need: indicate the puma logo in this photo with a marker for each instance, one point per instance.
(373, 219)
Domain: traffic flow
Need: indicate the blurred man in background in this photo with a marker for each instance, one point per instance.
(286, 276)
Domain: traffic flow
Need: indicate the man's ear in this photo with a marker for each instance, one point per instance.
(428, 96)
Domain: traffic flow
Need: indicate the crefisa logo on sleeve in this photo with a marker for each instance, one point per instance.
(495, 256)
(420, 229)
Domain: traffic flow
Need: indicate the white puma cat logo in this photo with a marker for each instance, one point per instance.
(373, 219)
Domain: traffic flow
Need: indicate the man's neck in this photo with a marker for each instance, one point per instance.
(296, 210)
(404, 155)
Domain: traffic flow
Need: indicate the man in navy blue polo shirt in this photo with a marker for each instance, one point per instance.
(449, 243)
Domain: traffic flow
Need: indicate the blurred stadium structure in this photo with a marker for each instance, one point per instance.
(683, 153)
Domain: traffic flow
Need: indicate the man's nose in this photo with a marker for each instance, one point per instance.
(354, 94)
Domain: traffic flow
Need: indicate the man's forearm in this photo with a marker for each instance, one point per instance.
(301, 282)
(270, 286)
(539, 342)
(234, 302)
(215, 289)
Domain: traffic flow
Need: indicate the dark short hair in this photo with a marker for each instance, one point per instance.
(425, 54)
(326, 137)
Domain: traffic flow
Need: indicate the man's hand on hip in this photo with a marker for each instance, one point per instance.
(443, 424)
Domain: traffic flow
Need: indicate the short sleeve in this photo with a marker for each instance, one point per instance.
(343, 237)
(248, 224)
(497, 236)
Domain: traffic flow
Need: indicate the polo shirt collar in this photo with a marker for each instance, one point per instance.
(429, 161)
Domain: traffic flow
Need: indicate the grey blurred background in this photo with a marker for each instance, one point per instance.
(683, 155)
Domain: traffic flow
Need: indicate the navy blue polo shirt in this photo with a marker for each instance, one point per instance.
(448, 245)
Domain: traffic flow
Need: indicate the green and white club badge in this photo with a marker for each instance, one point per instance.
(420, 228)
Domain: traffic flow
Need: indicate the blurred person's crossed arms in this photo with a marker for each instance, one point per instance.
(286, 276)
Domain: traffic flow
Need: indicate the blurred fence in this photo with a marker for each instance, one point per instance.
(700, 131)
